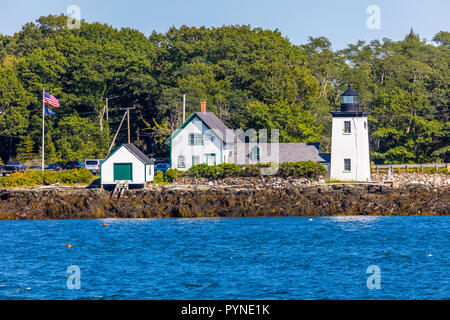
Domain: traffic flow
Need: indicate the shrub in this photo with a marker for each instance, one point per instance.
(307, 169)
(74, 176)
(251, 170)
(228, 170)
(202, 171)
(172, 174)
(30, 179)
(159, 177)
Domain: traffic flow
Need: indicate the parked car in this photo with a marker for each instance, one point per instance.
(93, 165)
(74, 165)
(14, 166)
(163, 167)
(54, 167)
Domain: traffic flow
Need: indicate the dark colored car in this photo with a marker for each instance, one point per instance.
(74, 165)
(14, 166)
(163, 167)
(54, 167)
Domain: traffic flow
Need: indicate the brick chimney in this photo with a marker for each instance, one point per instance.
(203, 106)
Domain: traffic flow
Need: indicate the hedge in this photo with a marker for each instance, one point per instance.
(306, 169)
(33, 178)
(168, 177)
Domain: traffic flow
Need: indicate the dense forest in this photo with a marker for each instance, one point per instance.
(250, 77)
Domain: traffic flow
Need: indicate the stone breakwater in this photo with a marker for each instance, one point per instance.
(214, 201)
(429, 180)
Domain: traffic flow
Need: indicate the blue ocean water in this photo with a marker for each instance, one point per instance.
(247, 258)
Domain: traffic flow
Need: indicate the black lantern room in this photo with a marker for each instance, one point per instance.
(349, 105)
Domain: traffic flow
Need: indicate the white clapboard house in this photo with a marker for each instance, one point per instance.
(205, 139)
(127, 164)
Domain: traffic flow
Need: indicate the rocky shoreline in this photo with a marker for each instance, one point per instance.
(194, 201)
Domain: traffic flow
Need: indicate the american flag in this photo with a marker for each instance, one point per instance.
(51, 100)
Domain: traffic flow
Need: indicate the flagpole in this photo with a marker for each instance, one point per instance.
(43, 129)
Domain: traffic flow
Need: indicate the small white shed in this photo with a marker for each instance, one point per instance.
(127, 163)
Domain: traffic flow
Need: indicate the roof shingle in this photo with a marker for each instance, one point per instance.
(212, 121)
(138, 153)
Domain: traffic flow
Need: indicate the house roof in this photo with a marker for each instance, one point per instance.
(296, 152)
(138, 153)
(326, 156)
(284, 152)
(212, 122)
(215, 124)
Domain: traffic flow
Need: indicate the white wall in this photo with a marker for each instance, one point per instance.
(228, 153)
(180, 145)
(354, 146)
(150, 172)
(122, 156)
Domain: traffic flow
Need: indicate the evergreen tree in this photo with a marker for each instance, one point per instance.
(25, 150)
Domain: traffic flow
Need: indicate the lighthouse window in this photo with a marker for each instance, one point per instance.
(347, 127)
(350, 99)
(347, 165)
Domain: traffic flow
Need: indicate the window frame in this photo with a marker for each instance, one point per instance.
(258, 154)
(181, 160)
(347, 164)
(196, 139)
(196, 162)
(349, 131)
(191, 139)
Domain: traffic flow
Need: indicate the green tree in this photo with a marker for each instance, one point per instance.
(25, 150)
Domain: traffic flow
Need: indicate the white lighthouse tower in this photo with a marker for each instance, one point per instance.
(350, 160)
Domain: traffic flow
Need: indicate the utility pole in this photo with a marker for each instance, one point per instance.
(125, 115)
(117, 132)
(128, 115)
(106, 109)
(101, 119)
(184, 108)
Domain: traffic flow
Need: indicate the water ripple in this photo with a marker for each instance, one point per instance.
(271, 258)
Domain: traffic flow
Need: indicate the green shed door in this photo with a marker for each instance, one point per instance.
(123, 171)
